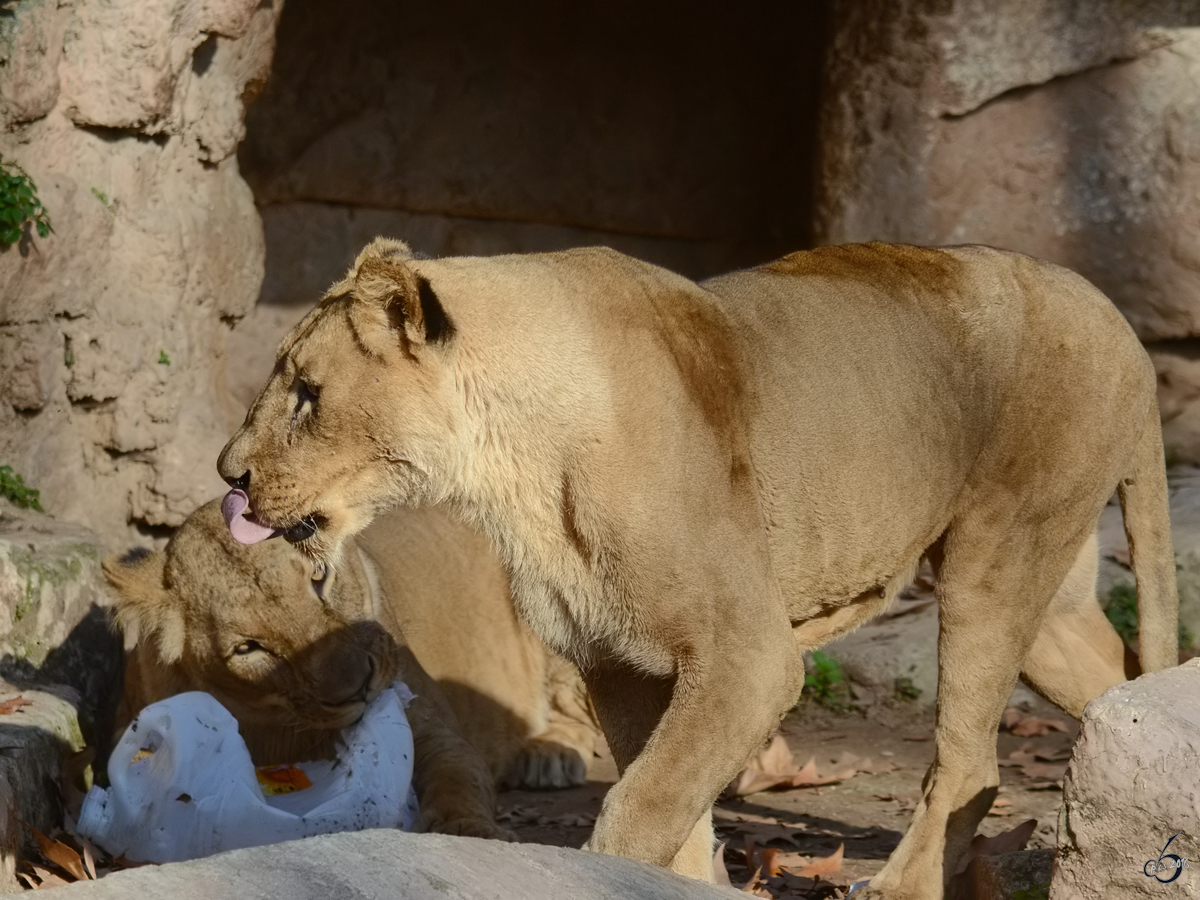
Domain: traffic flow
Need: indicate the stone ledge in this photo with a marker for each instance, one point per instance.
(394, 865)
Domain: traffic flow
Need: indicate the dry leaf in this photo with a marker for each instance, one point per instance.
(775, 767)
(1044, 786)
(1021, 725)
(1044, 771)
(768, 861)
(60, 854)
(767, 831)
(89, 856)
(1021, 757)
(1060, 755)
(48, 879)
(1000, 807)
(830, 865)
(1037, 727)
(13, 704)
(752, 886)
(1010, 717)
(790, 861)
(720, 873)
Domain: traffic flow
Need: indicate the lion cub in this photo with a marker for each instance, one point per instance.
(296, 660)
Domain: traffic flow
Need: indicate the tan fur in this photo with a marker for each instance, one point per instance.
(447, 598)
(692, 484)
(439, 593)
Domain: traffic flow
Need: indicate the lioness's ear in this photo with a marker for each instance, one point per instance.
(145, 608)
(383, 279)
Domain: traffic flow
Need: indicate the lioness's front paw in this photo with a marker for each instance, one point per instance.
(546, 765)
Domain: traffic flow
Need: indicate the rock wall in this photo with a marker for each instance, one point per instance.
(490, 128)
(1067, 129)
(127, 114)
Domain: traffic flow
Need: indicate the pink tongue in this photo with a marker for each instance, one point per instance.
(244, 531)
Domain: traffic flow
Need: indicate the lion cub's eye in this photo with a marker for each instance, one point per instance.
(245, 648)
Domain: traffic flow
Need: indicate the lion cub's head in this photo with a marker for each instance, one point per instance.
(249, 625)
(357, 414)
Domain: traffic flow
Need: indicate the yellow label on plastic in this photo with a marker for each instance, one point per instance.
(281, 779)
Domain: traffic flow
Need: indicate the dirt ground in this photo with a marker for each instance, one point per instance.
(867, 813)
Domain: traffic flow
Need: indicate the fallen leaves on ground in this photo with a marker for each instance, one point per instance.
(1045, 771)
(528, 815)
(781, 876)
(775, 768)
(1017, 722)
(71, 858)
(7, 707)
(60, 854)
(1001, 806)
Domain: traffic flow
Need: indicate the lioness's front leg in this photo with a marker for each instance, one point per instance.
(678, 742)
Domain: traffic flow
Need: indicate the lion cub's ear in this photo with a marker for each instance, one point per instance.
(145, 609)
(383, 279)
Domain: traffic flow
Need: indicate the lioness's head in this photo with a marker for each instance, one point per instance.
(249, 625)
(356, 416)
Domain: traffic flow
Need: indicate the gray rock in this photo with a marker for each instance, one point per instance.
(887, 649)
(394, 865)
(1131, 785)
(53, 622)
(34, 741)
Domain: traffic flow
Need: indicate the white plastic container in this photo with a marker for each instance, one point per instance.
(183, 785)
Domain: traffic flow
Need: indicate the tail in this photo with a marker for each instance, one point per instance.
(1143, 494)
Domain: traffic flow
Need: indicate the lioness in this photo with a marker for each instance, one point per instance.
(691, 484)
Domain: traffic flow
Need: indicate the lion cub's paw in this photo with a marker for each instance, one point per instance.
(467, 826)
(547, 765)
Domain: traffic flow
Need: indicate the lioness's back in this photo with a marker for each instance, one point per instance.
(895, 362)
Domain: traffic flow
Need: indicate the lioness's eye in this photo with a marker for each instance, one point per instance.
(247, 647)
(306, 399)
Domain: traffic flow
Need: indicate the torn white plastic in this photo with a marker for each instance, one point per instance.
(183, 785)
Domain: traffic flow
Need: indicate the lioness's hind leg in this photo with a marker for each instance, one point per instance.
(993, 589)
(1077, 655)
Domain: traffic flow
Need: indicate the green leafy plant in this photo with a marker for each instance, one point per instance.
(14, 488)
(1121, 610)
(163, 359)
(905, 690)
(826, 683)
(19, 204)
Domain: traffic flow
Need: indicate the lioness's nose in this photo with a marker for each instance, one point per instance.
(240, 483)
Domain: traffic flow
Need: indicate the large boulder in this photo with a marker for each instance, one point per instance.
(374, 865)
(54, 626)
(1131, 789)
